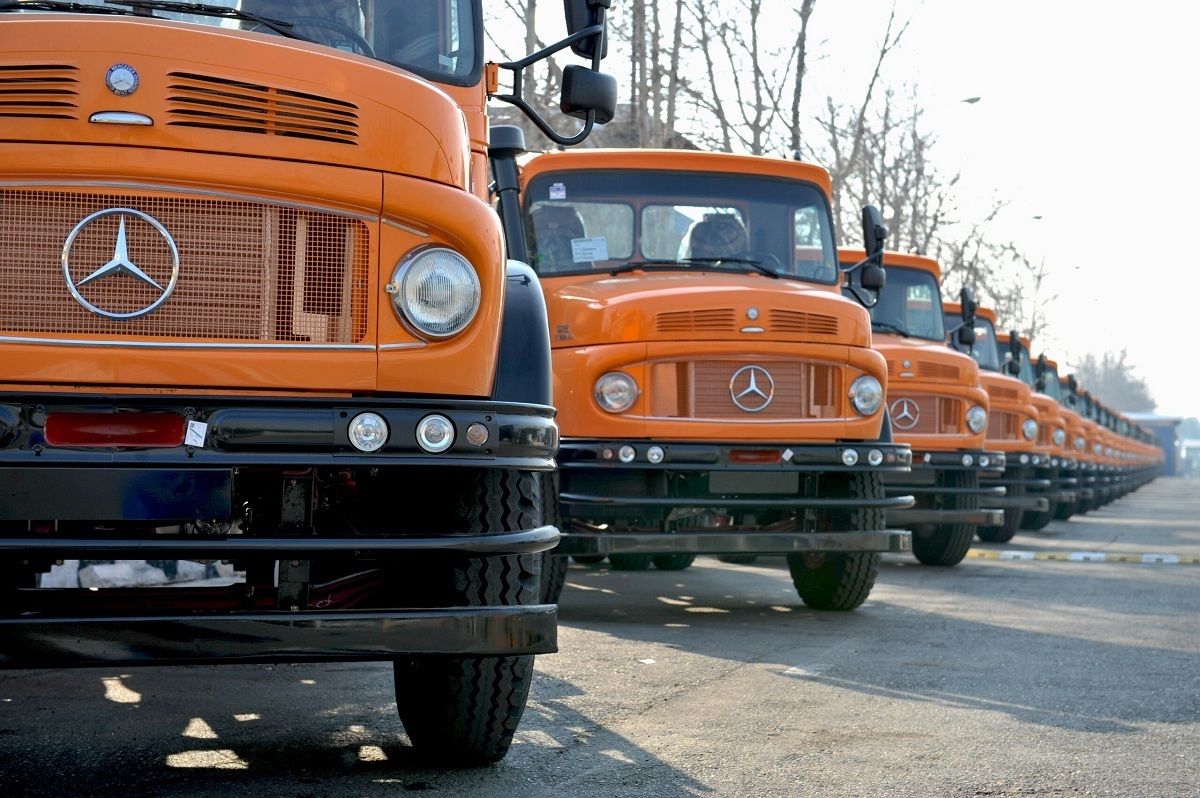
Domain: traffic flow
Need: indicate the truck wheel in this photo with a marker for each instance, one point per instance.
(1036, 521)
(737, 559)
(630, 562)
(673, 562)
(463, 711)
(1064, 510)
(841, 580)
(588, 559)
(1012, 521)
(554, 566)
(948, 544)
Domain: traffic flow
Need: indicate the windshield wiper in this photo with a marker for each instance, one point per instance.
(280, 26)
(57, 5)
(677, 262)
(887, 326)
(767, 270)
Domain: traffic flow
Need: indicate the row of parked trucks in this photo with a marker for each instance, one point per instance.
(265, 303)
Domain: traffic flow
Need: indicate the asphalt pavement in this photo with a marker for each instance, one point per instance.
(994, 678)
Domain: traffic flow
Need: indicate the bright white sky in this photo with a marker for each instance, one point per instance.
(1083, 121)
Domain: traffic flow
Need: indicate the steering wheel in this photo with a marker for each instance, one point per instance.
(354, 36)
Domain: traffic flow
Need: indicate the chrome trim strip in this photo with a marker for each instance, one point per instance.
(410, 345)
(120, 118)
(17, 339)
(406, 228)
(173, 189)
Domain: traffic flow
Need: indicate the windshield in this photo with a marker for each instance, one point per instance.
(602, 220)
(1026, 375)
(437, 39)
(911, 304)
(984, 350)
(1053, 388)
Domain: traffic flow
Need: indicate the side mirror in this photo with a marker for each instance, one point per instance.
(874, 277)
(1014, 345)
(970, 307)
(1040, 371)
(587, 93)
(506, 142)
(1072, 384)
(966, 335)
(585, 90)
(874, 233)
(584, 14)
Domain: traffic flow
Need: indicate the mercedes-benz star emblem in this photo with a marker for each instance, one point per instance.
(121, 263)
(905, 413)
(752, 388)
(122, 80)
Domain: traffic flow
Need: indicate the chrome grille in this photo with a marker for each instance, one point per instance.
(699, 389)
(206, 101)
(938, 415)
(38, 91)
(249, 271)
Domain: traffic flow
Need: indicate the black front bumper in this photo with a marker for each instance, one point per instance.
(35, 642)
(921, 482)
(1025, 487)
(599, 484)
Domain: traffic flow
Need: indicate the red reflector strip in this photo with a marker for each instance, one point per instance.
(114, 429)
(754, 456)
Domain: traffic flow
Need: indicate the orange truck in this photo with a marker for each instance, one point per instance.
(716, 393)
(938, 406)
(1012, 422)
(257, 310)
(1052, 436)
(1047, 382)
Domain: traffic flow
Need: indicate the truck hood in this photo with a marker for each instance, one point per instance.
(208, 89)
(918, 360)
(588, 309)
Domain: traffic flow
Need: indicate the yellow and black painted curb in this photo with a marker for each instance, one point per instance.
(1149, 558)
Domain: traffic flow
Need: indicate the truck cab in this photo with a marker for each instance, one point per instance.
(938, 406)
(1012, 421)
(259, 315)
(716, 393)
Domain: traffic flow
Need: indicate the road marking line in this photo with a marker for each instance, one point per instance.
(1149, 558)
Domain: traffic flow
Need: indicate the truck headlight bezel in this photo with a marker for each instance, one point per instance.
(1029, 429)
(866, 395)
(616, 392)
(1059, 437)
(410, 289)
(977, 419)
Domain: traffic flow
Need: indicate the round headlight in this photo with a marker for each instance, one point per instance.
(1029, 429)
(435, 434)
(866, 394)
(1060, 436)
(616, 392)
(977, 420)
(1079, 442)
(1096, 447)
(368, 432)
(435, 291)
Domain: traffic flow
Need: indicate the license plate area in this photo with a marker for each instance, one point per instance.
(759, 483)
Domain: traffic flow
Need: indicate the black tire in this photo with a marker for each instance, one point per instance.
(836, 580)
(673, 562)
(738, 559)
(630, 562)
(554, 566)
(1034, 521)
(1064, 510)
(463, 711)
(945, 545)
(1012, 521)
(588, 559)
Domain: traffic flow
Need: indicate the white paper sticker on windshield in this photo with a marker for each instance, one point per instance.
(584, 250)
(558, 191)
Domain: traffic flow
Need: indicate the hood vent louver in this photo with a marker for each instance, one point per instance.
(38, 91)
(205, 101)
(799, 322)
(681, 321)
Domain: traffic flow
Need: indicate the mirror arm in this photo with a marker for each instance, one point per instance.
(517, 99)
(864, 299)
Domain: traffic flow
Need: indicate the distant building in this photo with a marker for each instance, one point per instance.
(1165, 428)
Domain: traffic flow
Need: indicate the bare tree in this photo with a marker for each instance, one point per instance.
(1111, 379)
